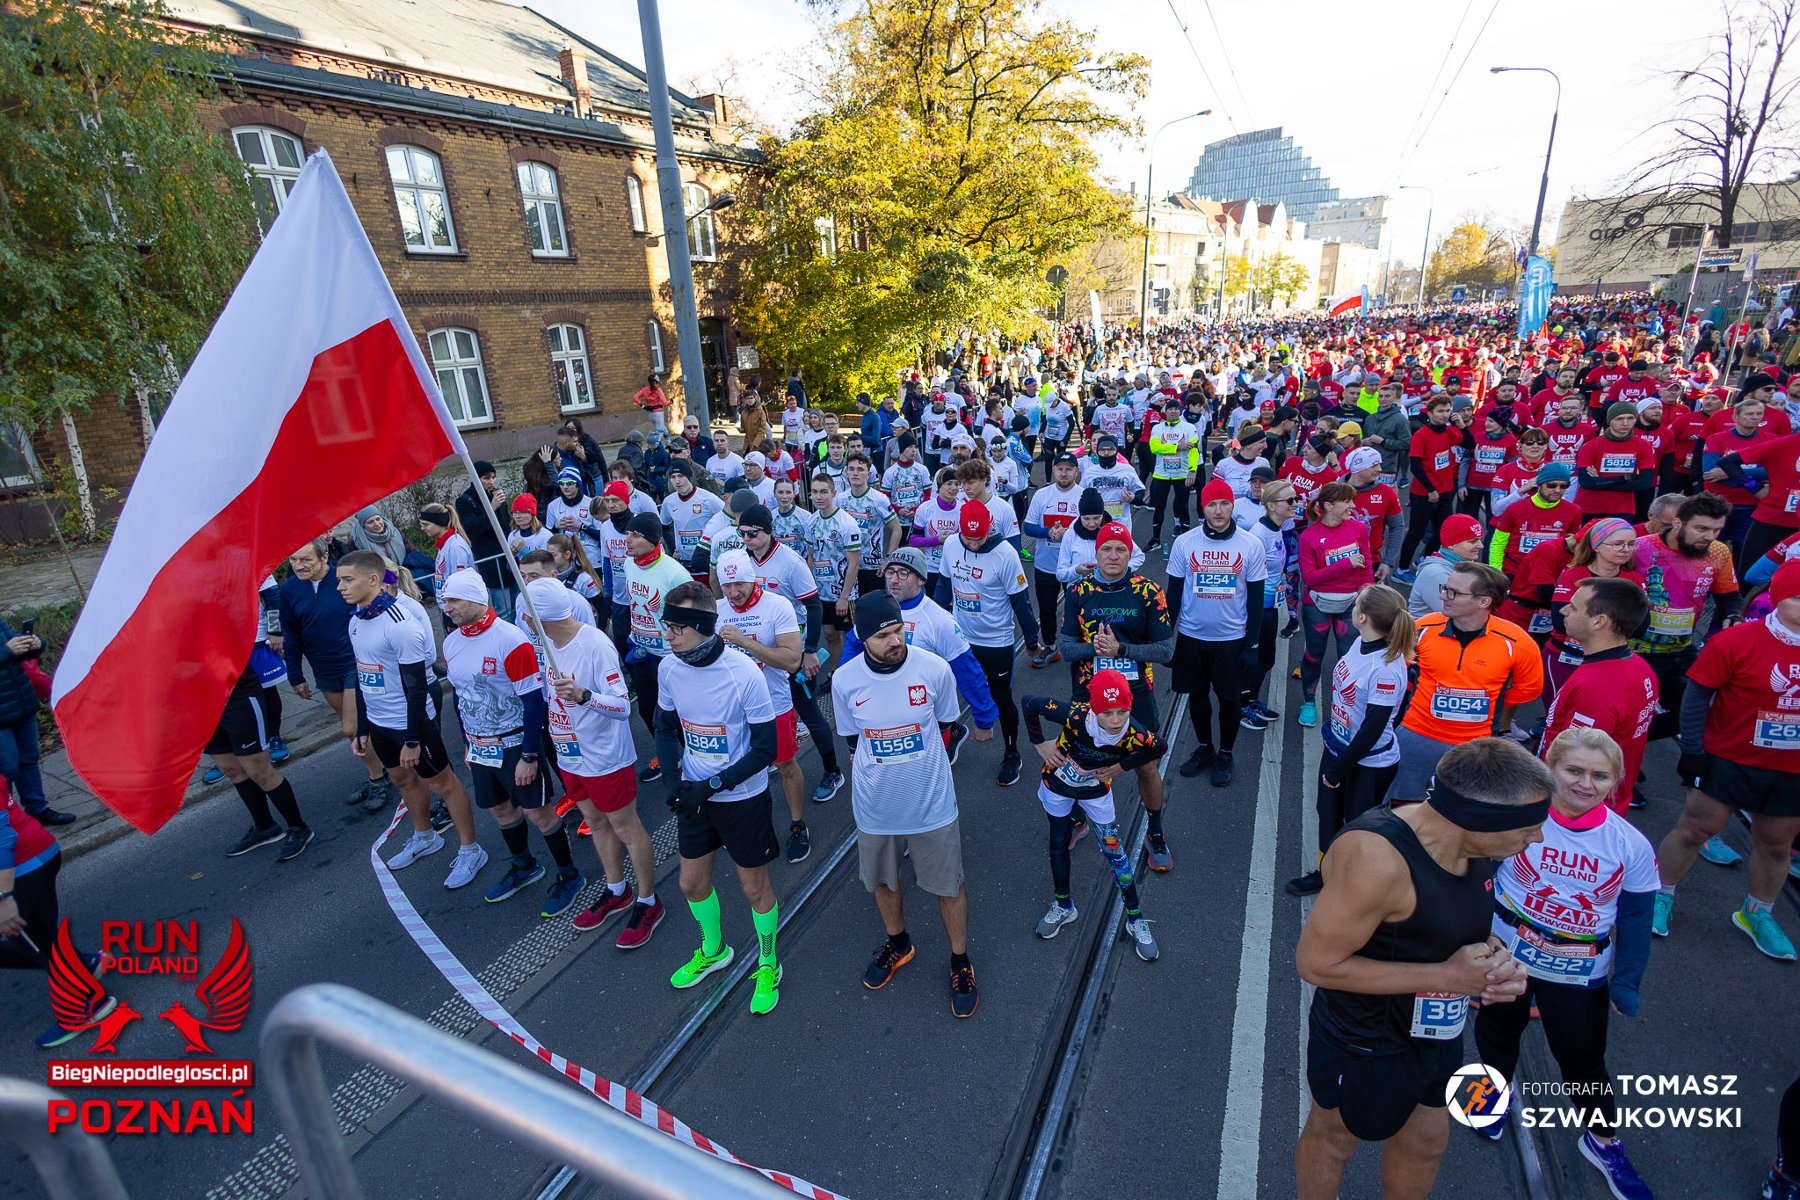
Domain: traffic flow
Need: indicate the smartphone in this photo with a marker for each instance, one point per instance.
(29, 624)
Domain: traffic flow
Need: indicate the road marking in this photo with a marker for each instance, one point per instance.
(1309, 858)
(1241, 1140)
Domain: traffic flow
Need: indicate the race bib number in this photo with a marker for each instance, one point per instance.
(486, 752)
(1386, 477)
(1215, 585)
(1540, 622)
(1439, 1016)
(707, 745)
(568, 752)
(685, 542)
(1777, 731)
(967, 602)
(1441, 461)
(1340, 722)
(1341, 554)
(1792, 503)
(902, 743)
(1489, 457)
(1618, 464)
(1074, 776)
(1125, 666)
(1465, 706)
(371, 678)
(1172, 465)
(1544, 957)
(1671, 622)
(1531, 541)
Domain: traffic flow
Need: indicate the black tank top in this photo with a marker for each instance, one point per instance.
(1449, 912)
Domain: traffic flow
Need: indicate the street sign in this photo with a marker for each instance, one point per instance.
(1458, 295)
(1723, 257)
(1750, 269)
(748, 359)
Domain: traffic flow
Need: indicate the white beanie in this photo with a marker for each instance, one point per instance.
(551, 599)
(465, 584)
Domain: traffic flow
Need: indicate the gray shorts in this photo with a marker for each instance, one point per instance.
(936, 859)
(1418, 763)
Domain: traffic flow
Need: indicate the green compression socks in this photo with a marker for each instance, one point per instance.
(766, 924)
(712, 936)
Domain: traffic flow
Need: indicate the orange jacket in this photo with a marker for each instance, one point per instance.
(1459, 690)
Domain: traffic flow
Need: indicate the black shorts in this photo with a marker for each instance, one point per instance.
(869, 581)
(1376, 1094)
(1758, 790)
(493, 786)
(833, 621)
(241, 730)
(433, 759)
(1143, 708)
(745, 828)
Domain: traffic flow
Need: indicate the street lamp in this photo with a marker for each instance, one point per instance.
(1537, 220)
(1425, 251)
(1149, 175)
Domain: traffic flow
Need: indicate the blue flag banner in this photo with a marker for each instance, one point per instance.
(1534, 296)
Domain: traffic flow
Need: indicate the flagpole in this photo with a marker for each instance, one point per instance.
(512, 563)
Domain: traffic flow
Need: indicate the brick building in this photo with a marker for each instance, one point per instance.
(504, 170)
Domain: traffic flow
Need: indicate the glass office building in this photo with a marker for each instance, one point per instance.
(1266, 165)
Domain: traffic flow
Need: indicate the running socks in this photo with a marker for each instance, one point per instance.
(558, 841)
(256, 802)
(1753, 905)
(518, 841)
(1110, 846)
(1155, 818)
(766, 924)
(287, 804)
(712, 937)
(900, 942)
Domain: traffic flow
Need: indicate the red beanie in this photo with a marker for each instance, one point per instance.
(618, 489)
(1458, 527)
(976, 521)
(525, 503)
(1786, 582)
(1113, 531)
(1216, 489)
(1108, 689)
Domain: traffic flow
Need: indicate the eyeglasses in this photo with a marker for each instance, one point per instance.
(1552, 484)
(1450, 593)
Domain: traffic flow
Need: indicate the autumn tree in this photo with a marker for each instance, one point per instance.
(1282, 278)
(1470, 256)
(124, 222)
(950, 168)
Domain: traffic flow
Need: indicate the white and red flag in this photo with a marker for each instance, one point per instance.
(1348, 302)
(309, 400)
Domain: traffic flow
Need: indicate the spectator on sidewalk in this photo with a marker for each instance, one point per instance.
(19, 750)
(655, 402)
(471, 509)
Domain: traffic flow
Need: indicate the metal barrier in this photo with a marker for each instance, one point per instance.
(73, 1165)
(501, 1095)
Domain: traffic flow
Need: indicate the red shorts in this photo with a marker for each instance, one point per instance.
(787, 736)
(608, 793)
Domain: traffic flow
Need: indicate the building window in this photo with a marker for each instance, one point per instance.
(1684, 236)
(18, 462)
(422, 199)
(569, 361)
(826, 229)
(456, 359)
(274, 159)
(634, 203)
(654, 332)
(1746, 231)
(543, 209)
(701, 244)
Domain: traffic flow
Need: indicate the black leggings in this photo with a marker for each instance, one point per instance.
(1574, 1020)
(1213, 667)
(1362, 788)
(643, 682)
(1160, 490)
(1423, 516)
(806, 704)
(1049, 590)
(35, 894)
(271, 702)
(1758, 541)
(1787, 1131)
(1256, 670)
(1106, 837)
(997, 664)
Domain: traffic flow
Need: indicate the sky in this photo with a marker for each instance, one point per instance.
(1359, 84)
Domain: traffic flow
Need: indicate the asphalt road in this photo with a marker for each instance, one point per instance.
(1191, 1084)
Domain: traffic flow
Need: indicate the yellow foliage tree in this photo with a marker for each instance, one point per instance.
(1471, 256)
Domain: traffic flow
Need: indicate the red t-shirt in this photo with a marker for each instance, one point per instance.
(1567, 440)
(1754, 669)
(1490, 455)
(1730, 441)
(1330, 393)
(1601, 379)
(1780, 457)
(1609, 459)
(1374, 506)
(1543, 404)
(1628, 391)
(1435, 450)
(1775, 422)
(1306, 482)
(1530, 526)
(1615, 692)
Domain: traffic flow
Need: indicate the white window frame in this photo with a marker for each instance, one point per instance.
(20, 440)
(826, 230)
(703, 243)
(658, 361)
(457, 372)
(413, 195)
(568, 362)
(280, 178)
(634, 204)
(546, 203)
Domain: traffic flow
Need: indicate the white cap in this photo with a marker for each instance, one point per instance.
(735, 566)
(551, 599)
(756, 456)
(465, 584)
(1362, 458)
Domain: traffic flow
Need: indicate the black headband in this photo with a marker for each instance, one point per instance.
(1480, 816)
(693, 618)
(436, 518)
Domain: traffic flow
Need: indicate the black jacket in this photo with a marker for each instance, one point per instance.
(18, 700)
(471, 509)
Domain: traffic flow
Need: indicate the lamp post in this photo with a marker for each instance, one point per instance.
(1425, 251)
(1149, 175)
(1537, 220)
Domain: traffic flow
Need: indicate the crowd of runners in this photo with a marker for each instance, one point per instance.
(1510, 565)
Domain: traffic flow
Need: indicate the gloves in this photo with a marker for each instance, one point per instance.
(689, 797)
(1691, 768)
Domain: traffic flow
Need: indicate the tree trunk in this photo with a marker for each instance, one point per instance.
(84, 496)
(148, 421)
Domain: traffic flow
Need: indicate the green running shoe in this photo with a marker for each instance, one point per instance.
(699, 967)
(1765, 933)
(1659, 921)
(768, 991)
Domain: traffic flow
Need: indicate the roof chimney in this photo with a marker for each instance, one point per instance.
(574, 74)
(717, 104)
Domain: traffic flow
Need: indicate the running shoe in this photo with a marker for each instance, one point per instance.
(1221, 772)
(1198, 761)
(1659, 921)
(1309, 715)
(799, 842)
(1253, 720)
(964, 999)
(1144, 942)
(584, 830)
(564, 805)
(1156, 850)
(1715, 851)
(651, 773)
(1291, 628)
(830, 784)
(1268, 714)
(640, 924)
(1609, 1159)
(278, 751)
(1766, 933)
(516, 880)
(1309, 884)
(380, 797)
(768, 991)
(1155, 546)
(608, 906)
(1779, 1187)
(700, 966)
(1078, 831)
(213, 775)
(361, 794)
(562, 893)
(1055, 917)
(440, 816)
(887, 960)
(1497, 1129)
(52, 818)
(959, 733)
(253, 839)
(1009, 768)
(294, 844)
(1026, 554)
(1638, 799)
(56, 1035)
(417, 847)
(1406, 577)
(468, 863)
(1045, 657)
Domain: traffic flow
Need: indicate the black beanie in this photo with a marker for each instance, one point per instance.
(757, 517)
(1091, 504)
(646, 526)
(875, 611)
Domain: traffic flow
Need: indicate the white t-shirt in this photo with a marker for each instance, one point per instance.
(981, 583)
(489, 672)
(453, 556)
(1115, 483)
(719, 703)
(1359, 679)
(593, 739)
(908, 486)
(1218, 574)
(1005, 520)
(688, 516)
(833, 538)
(646, 588)
(1236, 472)
(934, 520)
(381, 644)
(901, 782)
(768, 617)
(784, 573)
(725, 467)
(1569, 885)
(1111, 418)
(1053, 508)
(929, 627)
(871, 511)
(614, 548)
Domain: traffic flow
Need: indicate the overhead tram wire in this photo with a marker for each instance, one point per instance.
(1444, 99)
(1407, 140)
(1218, 96)
(1229, 64)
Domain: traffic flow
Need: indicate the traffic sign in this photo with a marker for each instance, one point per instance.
(1458, 295)
(1057, 274)
(1723, 257)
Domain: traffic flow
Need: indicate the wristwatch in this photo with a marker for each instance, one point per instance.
(6, 895)
(716, 783)
(528, 756)
(585, 696)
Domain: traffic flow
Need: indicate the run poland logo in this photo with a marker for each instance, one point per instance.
(1477, 1096)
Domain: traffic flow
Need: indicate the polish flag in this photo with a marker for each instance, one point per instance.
(1348, 302)
(309, 399)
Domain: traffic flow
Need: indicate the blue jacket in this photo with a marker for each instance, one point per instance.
(315, 622)
(18, 700)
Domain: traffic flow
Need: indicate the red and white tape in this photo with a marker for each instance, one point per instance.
(620, 1097)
